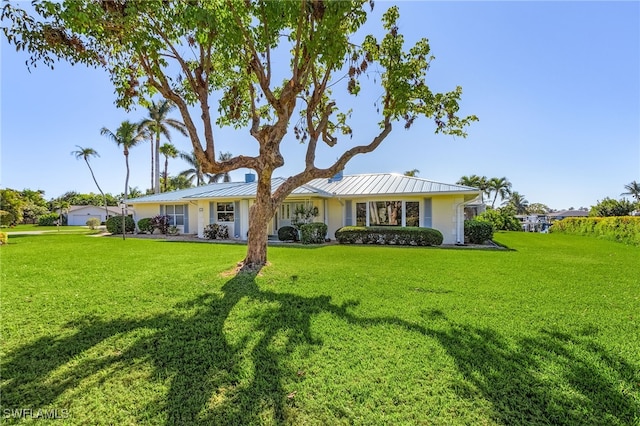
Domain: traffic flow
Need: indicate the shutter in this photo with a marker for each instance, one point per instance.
(236, 218)
(348, 218)
(427, 219)
(161, 209)
(211, 212)
(186, 218)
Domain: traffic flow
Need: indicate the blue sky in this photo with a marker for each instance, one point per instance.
(556, 86)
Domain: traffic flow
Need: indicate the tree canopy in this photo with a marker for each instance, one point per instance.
(188, 50)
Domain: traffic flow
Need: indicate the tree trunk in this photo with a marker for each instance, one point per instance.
(156, 188)
(104, 197)
(260, 213)
(152, 167)
(166, 174)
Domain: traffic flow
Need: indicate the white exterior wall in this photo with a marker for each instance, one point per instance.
(335, 217)
(141, 211)
(79, 217)
(444, 213)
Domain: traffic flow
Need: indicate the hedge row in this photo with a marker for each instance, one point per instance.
(478, 231)
(409, 236)
(623, 229)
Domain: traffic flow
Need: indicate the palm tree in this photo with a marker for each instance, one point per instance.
(127, 136)
(196, 170)
(475, 181)
(167, 150)
(412, 173)
(633, 189)
(518, 202)
(501, 186)
(224, 156)
(158, 124)
(85, 154)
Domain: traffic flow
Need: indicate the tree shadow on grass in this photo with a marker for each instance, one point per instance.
(217, 376)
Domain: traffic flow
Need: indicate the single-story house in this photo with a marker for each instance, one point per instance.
(78, 215)
(384, 199)
(559, 215)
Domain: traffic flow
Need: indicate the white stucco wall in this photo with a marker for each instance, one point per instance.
(444, 216)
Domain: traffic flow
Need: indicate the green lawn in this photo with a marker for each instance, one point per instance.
(107, 331)
(47, 229)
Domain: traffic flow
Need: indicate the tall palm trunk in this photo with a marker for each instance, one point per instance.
(157, 152)
(126, 179)
(166, 175)
(152, 163)
(104, 197)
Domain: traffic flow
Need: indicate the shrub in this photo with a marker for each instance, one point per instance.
(389, 235)
(313, 233)
(623, 229)
(93, 223)
(4, 238)
(501, 219)
(49, 219)
(216, 231)
(611, 207)
(173, 230)
(288, 233)
(7, 218)
(161, 222)
(145, 225)
(477, 231)
(114, 224)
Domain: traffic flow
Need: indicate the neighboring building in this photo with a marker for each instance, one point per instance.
(533, 222)
(566, 213)
(78, 215)
(369, 199)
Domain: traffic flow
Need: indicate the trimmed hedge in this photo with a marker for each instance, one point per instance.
(114, 224)
(478, 231)
(408, 236)
(48, 219)
(622, 229)
(288, 233)
(313, 233)
(145, 225)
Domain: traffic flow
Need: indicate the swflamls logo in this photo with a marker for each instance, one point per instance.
(39, 413)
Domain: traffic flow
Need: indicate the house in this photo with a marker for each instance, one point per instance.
(384, 199)
(559, 215)
(533, 222)
(78, 215)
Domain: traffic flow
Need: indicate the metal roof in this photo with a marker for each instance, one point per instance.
(350, 185)
(386, 184)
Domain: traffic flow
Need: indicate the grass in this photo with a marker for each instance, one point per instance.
(145, 331)
(47, 229)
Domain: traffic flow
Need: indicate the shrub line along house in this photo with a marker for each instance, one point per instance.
(380, 199)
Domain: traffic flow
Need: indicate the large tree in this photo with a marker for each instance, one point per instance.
(126, 136)
(189, 51)
(158, 124)
(85, 154)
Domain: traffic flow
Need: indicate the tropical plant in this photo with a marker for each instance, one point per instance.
(538, 208)
(499, 186)
(633, 189)
(611, 207)
(93, 222)
(175, 183)
(161, 222)
(475, 181)
(126, 136)
(196, 172)
(157, 123)
(85, 154)
(412, 172)
(518, 202)
(167, 150)
(188, 51)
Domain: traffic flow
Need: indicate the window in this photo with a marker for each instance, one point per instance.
(361, 214)
(176, 215)
(224, 212)
(387, 213)
(288, 210)
(413, 213)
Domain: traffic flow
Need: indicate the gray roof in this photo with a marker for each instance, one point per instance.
(569, 213)
(386, 184)
(350, 185)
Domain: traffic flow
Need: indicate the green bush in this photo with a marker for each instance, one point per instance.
(114, 224)
(477, 231)
(502, 219)
(7, 218)
(216, 231)
(93, 223)
(145, 225)
(49, 219)
(611, 207)
(623, 229)
(4, 238)
(414, 236)
(288, 233)
(313, 233)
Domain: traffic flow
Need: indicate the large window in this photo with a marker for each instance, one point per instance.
(224, 212)
(176, 215)
(385, 213)
(388, 213)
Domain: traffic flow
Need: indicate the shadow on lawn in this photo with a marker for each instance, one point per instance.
(208, 386)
